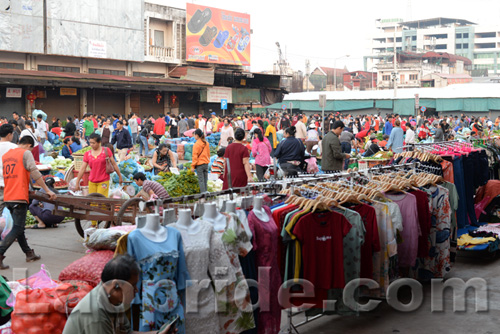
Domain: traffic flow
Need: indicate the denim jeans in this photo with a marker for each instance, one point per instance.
(346, 148)
(144, 143)
(458, 175)
(18, 212)
(202, 172)
(134, 138)
(469, 171)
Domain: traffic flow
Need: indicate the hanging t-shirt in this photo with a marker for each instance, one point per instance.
(372, 241)
(407, 250)
(321, 236)
(424, 220)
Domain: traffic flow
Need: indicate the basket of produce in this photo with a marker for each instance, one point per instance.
(78, 158)
(59, 184)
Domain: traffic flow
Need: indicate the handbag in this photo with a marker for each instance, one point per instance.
(109, 165)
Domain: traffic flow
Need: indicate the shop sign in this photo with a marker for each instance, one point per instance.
(217, 94)
(68, 92)
(14, 92)
(97, 49)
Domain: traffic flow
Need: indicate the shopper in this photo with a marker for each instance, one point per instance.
(271, 134)
(75, 143)
(239, 163)
(201, 159)
(42, 128)
(6, 134)
(218, 165)
(183, 125)
(301, 130)
(149, 188)
(225, 132)
(123, 141)
(96, 160)
(66, 150)
(261, 151)
(410, 135)
(43, 213)
(35, 134)
(18, 169)
(70, 128)
(163, 159)
(103, 310)
(396, 138)
(290, 153)
(143, 139)
(134, 127)
(333, 158)
(312, 137)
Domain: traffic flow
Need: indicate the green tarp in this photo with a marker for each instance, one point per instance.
(429, 103)
(383, 104)
(449, 105)
(404, 106)
(494, 104)
(475, 105)
(344, 105)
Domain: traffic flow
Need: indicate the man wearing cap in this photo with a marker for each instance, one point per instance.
(215, 122)
(312, 137)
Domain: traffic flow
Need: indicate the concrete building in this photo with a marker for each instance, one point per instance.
(479, 43)
(75, 57)
(325, 78)
(360, 80)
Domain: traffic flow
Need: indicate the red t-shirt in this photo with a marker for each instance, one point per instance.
(57, 131)
(321, 236)
(235, 152)
(362, 134)
(372, 239)
(97, 166)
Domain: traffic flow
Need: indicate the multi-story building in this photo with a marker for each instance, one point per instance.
(74, 57)
(479, 43)
(327, 78)
(360, 80)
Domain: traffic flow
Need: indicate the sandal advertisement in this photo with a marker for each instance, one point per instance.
(217, 36)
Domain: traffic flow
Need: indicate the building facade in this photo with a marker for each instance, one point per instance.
(479, 43)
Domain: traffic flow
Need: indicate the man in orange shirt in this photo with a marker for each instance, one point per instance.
(18, 169)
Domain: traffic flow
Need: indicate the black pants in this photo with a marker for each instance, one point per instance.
(290, 169)
(469, 170)
(45, 215)
(261, 170)
(18, 212)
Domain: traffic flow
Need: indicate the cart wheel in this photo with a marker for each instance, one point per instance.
(81, 227)
(130, 204)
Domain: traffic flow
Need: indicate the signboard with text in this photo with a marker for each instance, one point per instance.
(217, 94)
(217, 36)
(68, 92)
(14, 92)
(97, 49)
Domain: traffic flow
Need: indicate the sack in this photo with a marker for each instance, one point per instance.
(88, 269)
(40, 280)
(104, 239)
(109, 165)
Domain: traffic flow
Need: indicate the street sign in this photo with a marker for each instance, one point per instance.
(283, 107)
(423, 109)
(223, 104)
(322, 100)
(417, 101)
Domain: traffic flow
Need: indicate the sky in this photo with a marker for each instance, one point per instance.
(322, 31)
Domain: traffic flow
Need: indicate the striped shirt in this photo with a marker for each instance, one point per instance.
(157, 188)
(218, 166)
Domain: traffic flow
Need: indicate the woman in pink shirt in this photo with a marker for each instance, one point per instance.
(261, 150)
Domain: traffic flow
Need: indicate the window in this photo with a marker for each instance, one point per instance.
(413, 76)
(413, 38)
(107, 72)
(159, 38)
(458, 46)
(398, 39)
(15, 66)
(466, 35)
(386, 78)
(465, 46)
(484, 67)
(148, 75)
(402, 78)
(458, 36)
(58, 68)
(440, 46)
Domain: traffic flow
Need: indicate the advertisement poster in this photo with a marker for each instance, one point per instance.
(217, 36)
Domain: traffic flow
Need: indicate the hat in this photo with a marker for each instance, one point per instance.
(212, 113)
(312, 126)
(372, 136)
(239, 117)
(200, 115)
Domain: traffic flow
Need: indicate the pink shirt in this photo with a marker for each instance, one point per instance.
(407, 250)
(97, 165)
(261, 151)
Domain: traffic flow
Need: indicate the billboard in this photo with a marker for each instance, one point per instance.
(217, 36)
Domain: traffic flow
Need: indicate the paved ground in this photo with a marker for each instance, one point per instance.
(59, 247)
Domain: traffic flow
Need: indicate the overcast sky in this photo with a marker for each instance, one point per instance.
(323, 30)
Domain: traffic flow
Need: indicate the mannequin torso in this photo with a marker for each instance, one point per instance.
(186, 222)
(259, 210)
(153, 230)
(231, 206)
(214, 217)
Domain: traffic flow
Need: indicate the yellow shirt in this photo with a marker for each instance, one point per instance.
(466, 239)
(271, 130)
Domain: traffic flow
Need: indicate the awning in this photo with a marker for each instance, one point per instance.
(85, 80)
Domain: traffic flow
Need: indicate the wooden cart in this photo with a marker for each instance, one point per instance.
(94, 207)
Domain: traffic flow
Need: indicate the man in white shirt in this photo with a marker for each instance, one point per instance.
(134, 127)
(6, 133)
(41, 126)
(301, 129)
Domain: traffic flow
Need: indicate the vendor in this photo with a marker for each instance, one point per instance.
(163, 159)
(66, 150)
(42, 211)
(149, 188)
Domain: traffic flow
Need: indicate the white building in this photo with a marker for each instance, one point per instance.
(481, 44)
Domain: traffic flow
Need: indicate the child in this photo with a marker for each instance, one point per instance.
(218, 165)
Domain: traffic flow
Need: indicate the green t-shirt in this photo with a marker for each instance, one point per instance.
(92, 316)
(89, 127)
(4, 295)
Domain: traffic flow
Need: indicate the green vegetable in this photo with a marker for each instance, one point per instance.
(179, 185)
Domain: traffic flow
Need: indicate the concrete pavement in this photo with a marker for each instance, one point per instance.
(59, 247)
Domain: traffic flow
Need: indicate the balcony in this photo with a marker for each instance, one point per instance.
(161, 54)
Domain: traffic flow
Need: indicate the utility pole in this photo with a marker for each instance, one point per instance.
(308, 72)
(395, 73)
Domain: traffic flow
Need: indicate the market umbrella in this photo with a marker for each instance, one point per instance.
(189, 133)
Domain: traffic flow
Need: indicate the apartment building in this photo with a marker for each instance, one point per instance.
(481, 44)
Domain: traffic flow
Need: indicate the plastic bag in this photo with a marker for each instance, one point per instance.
(72, 184)
(9, 222)
(119, 193)
(37, 112)
(48, 147)
(104, 239)
(40, 280)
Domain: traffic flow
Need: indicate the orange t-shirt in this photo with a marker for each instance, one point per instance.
(16, 177)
